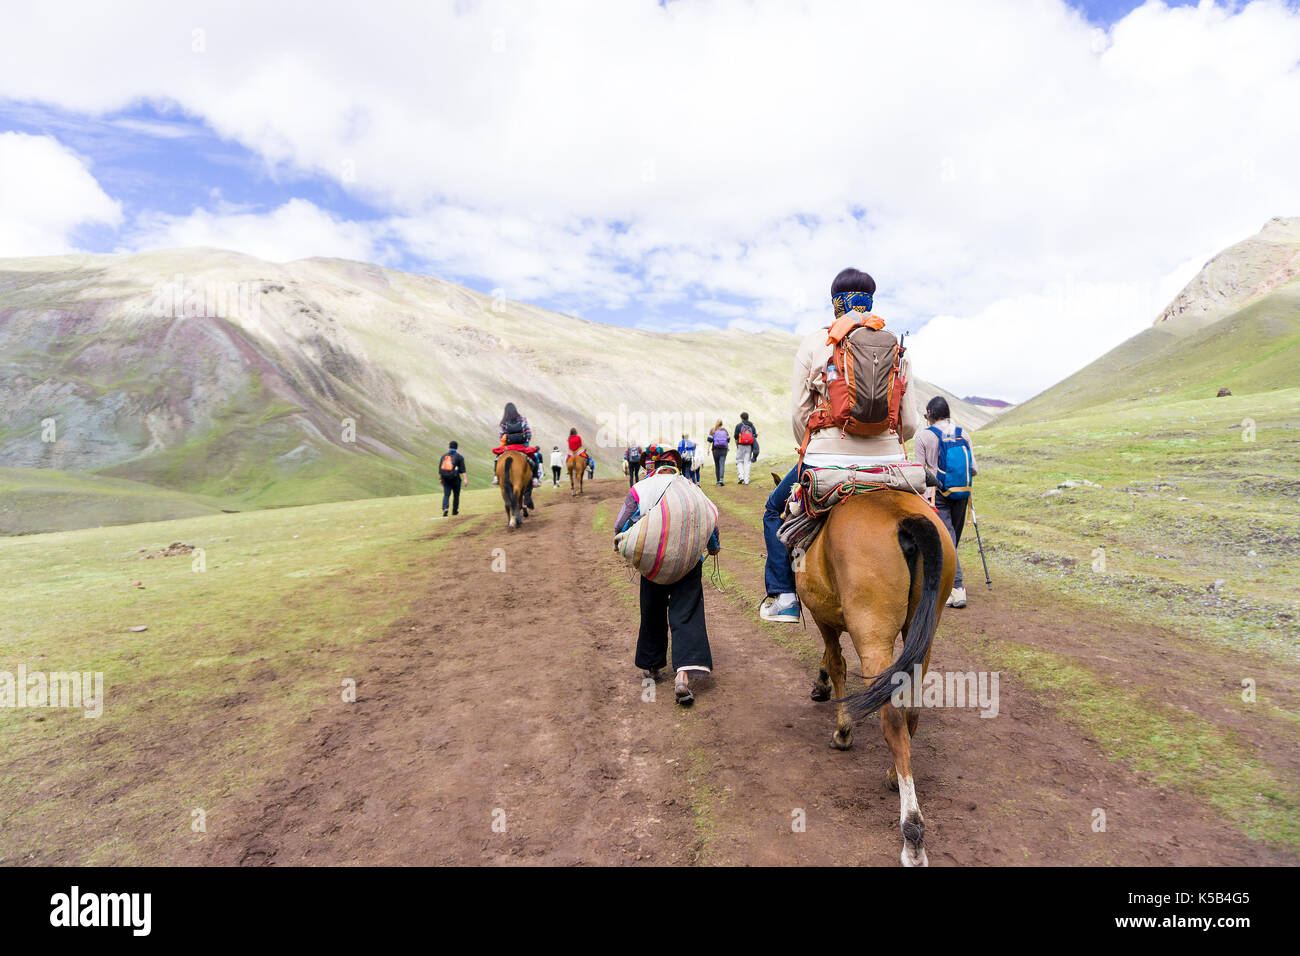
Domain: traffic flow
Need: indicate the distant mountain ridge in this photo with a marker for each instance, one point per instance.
(1235, 326)
(1239, 274)
(217, 374)
(987, 402)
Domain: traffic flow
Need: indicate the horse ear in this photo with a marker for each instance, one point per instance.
(776, 479)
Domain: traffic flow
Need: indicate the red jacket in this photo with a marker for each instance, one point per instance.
(575, 442)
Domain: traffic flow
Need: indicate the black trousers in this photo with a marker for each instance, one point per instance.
(451, 490)
(633, 473)
(952, 512)
(555, 472)
(680, 605)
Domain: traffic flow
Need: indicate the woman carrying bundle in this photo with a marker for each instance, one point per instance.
(676, 599)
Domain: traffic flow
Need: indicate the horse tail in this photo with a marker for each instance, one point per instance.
(919, 539)
(507, 486)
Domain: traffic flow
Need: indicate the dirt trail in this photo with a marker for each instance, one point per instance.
(514, 693)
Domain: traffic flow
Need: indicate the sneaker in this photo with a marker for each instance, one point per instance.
(781, 609)
(444, 512)
(957, 598)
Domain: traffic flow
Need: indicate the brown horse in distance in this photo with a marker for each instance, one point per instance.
(881, 568)
(515, 475)
(577, 468)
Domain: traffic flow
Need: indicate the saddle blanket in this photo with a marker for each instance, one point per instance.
(821, 489)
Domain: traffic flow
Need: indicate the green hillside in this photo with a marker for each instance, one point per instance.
(1132, 483)
(1255, 349)
(35, 500)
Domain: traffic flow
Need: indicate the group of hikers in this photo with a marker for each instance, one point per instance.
(822, 421)
(695, 455)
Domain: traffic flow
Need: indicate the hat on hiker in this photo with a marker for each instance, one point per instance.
(659, 455)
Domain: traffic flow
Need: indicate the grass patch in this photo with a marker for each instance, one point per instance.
(205, 706)
(1168, 748)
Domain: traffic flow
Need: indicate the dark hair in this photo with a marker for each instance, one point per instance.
(937, 409)
(573, 431)
(511, 414)
(744, 416)
(453, 446)
(853, 280)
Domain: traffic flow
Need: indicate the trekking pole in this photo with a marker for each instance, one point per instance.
(976, 521)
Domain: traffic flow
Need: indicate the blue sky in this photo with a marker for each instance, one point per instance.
(1004, 168)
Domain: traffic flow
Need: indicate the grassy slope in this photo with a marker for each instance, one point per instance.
(36, 500)
(1256, 349)
(1195, 489)
(278, 617)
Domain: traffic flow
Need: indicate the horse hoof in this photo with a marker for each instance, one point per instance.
(821, 692)
(914, 856)
(842, 740)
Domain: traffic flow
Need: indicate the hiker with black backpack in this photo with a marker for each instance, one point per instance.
(947, 455)
(822, 416)
(515, 432)
(746, 440)
(632, 464)
(450, 469)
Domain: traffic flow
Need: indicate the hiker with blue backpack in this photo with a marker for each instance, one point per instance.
(947, 455)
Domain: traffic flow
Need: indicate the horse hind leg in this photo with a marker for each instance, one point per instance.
(894, 724)
(835, 670)
(877, 654)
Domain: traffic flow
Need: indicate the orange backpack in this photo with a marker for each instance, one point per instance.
(448, 464)
(864, 379)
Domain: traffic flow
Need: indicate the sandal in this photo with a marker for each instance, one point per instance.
(683, 692)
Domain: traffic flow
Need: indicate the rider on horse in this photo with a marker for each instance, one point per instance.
(851, 291)
(516, 433)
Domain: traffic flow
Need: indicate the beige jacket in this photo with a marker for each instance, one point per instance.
(808, 389)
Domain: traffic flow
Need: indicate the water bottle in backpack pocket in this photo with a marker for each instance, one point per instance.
(954, 469)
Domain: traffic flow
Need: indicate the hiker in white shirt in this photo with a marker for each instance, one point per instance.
(827, 447)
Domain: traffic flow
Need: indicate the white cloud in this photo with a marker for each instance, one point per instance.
(46, 192)
(972, 156)
(296, 230)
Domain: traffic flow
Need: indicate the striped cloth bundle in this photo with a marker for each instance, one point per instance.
(672, 536)
(823, 488)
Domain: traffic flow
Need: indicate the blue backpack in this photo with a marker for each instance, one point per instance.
(954, 472)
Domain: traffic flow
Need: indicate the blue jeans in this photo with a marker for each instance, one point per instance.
(778, 576)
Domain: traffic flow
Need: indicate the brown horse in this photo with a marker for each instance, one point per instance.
(515, 475)
(882, 567)
(577, 467)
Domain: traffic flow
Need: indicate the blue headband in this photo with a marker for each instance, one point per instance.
(858, 301)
